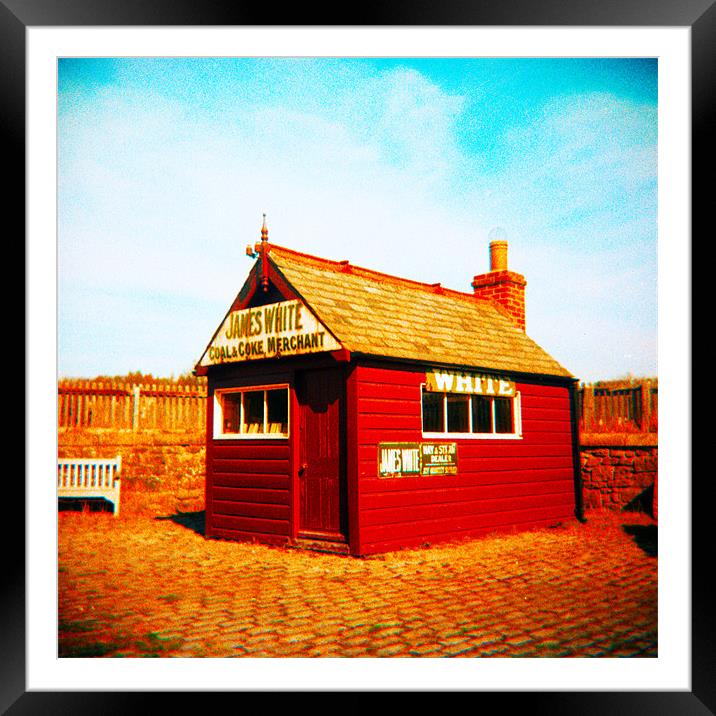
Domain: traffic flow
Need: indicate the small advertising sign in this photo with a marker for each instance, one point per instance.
(416, 459)
(438, 458)
(398, 459)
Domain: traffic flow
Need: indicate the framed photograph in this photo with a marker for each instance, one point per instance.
(37, 35)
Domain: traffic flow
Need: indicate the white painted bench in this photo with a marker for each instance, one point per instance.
(90, 477)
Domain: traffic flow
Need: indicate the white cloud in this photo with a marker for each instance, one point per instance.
(587, 155)
(416, 123)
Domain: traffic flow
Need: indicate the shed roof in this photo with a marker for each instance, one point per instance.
(378, 314)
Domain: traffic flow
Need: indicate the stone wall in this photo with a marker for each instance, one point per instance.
(619, 474)
(162, 472)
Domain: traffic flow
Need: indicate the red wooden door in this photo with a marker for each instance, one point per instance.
(321, 454)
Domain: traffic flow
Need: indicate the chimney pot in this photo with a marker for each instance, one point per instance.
(498, 255)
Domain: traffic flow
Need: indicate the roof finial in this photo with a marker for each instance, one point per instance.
(263, 249)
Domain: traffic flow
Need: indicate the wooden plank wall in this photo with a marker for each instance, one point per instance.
(500, 483)
(248, 482)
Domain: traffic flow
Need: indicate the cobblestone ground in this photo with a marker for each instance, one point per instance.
(137, 587)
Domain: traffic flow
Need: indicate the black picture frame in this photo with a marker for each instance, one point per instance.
(17, 15)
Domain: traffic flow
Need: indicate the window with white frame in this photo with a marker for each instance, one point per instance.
(256, 412)
(470, 415)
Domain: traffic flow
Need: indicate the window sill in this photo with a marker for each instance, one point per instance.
(253, 436)
(472, 436)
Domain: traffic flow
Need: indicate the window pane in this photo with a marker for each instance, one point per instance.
(277, 406)
(457, 407)
(254, 412)
(231, 412)
(433, 412)
(503, 415)
(481, 415)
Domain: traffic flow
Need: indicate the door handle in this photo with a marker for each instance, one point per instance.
(302, 469)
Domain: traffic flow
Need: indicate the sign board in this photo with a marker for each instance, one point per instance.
(286, 328)
(416, 459)
(468, 383)
(438, 458)
(398, 459)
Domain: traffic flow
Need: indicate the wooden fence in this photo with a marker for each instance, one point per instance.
(619, 406)
(125, 406)
(605, 406)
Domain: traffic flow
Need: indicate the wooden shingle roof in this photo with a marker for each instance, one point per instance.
(377, 314)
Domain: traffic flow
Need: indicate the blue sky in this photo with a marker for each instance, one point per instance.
(165, 167)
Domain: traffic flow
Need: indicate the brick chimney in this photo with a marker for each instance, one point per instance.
(501, 285)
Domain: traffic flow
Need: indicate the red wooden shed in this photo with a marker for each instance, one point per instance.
(361, 412)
